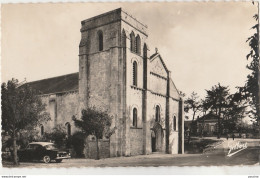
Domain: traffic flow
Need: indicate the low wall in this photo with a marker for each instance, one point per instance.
(91, 149)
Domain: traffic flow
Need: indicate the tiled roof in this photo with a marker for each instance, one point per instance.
(58, 84)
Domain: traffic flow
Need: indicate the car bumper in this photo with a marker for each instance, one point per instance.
(63, 157)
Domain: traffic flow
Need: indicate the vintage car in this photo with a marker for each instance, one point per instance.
(45, 151)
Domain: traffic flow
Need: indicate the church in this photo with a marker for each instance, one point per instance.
(118, 73)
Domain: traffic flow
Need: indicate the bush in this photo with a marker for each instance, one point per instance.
(23, 139)
(77, 142)
(26, 137)
(58, 136)
(6, 142)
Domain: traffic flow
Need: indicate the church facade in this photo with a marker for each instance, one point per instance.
(117, 73)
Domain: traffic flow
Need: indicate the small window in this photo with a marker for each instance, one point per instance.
(100, 40)
(68, 126)
(132, 42)
(135, 73)
(157, 114)
(42, 130)
(174, 123)
(138, 45)
(134, 117)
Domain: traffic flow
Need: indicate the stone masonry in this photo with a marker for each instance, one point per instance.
(118, 74)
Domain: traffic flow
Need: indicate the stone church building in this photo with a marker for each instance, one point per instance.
(117, 73)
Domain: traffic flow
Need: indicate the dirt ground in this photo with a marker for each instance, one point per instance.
(214, 157)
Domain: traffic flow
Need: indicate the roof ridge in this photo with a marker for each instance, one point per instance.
(51, 78)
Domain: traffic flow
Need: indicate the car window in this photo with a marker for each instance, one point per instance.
(30, 146)
(50, 147)
(37, 147)
(33, 146)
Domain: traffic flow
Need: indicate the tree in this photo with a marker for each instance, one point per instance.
(204, 106)
(192, 103)
(22, 109)
(251, 90)
(217, 100)
(94, 122)
(234, 112)
(58, 136)
(77, 142)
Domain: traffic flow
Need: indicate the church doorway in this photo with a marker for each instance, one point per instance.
(156, 136)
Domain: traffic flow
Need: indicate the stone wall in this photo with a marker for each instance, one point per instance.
(48, 126)
(136, 141)
(135, 101)
(157, 67)
(61, 106)
(106, 82)
(101, 83)
(133, 136)
(67, 106)
(173, 134)
(101, 72)
(153, 101)
(158, 85)
(173, 91)
(173, 142)
(137, 31)
(91, 149)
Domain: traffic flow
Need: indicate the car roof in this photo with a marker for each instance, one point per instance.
(41, 143)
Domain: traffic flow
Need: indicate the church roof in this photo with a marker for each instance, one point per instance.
(58, 84)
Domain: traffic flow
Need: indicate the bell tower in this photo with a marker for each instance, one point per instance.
(101, 70)
(98, 57)
(106, 52)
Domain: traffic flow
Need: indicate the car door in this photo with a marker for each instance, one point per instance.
(38, 152)
(28, 152)
(35, 152)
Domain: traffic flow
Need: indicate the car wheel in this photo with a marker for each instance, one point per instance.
(46, 159)
(58, 160)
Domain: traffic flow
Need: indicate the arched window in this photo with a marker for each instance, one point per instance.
(134, 117)
(135, 73)
(138, 45)
(68, 127)
(100, 40)
(132, 42)
(42, 130)
(174, 123)
(157, 114)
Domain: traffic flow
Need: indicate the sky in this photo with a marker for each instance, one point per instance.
(202, 43)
